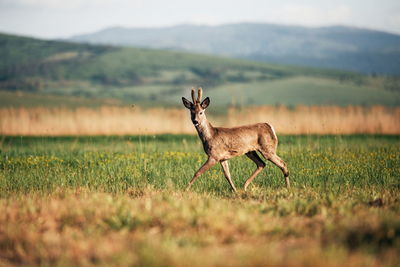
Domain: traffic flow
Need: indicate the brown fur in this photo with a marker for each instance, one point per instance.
(222, 144)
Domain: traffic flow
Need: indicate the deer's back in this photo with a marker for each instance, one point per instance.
(236, 141)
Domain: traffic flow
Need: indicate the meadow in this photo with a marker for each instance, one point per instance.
(89, 177)
(120, 200)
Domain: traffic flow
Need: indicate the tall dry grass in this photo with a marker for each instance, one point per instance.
(109, 120)
(322, 119)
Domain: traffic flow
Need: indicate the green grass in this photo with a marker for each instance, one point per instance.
(11, 99)
(303, 90)
(120, 201)
(320, 162)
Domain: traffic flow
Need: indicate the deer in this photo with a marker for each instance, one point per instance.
(221, 144)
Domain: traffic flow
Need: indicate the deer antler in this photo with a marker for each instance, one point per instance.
(193, 95)
(199, 94)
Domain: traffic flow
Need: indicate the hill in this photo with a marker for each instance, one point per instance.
(154, 77)
(336, 47)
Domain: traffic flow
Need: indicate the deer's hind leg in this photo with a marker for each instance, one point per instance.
(260, 165)
(275, 159)
(227, 174)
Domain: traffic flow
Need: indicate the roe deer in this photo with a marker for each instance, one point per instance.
(221, 144)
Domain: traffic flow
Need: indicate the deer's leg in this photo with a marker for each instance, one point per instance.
(275, 159)
(208, 164)
(225, 167)
(260, 165)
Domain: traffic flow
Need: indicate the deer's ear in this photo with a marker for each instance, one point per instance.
(187, 103)
(205, 103)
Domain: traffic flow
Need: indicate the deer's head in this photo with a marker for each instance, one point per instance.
(197, 108)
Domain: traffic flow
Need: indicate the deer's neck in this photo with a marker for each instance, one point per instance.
(205, 131)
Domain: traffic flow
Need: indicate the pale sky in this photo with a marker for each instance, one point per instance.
(64, 18)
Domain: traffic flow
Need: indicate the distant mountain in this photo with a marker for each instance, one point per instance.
(336, 47)
(39, 72)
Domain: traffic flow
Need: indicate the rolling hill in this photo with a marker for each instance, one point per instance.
(336, 47)
(153, 77)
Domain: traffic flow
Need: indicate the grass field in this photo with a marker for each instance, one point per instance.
(120, 201)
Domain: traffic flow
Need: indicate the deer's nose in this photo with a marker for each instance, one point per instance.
(195, 122)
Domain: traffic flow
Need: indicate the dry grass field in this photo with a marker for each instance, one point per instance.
(109, 120)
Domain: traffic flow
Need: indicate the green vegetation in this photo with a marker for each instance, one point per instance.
(303, 90)
(120, 200)
(155, 77)
(319, 162)
(26, 99)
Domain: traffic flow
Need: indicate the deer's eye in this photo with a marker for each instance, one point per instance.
(201, 113)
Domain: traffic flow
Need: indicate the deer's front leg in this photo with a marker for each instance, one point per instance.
(227, 174)
(208, 164)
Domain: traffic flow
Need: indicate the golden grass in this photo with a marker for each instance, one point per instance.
(167, 228)
(108, 120)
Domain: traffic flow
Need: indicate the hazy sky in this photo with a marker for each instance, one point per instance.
(63, 18)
